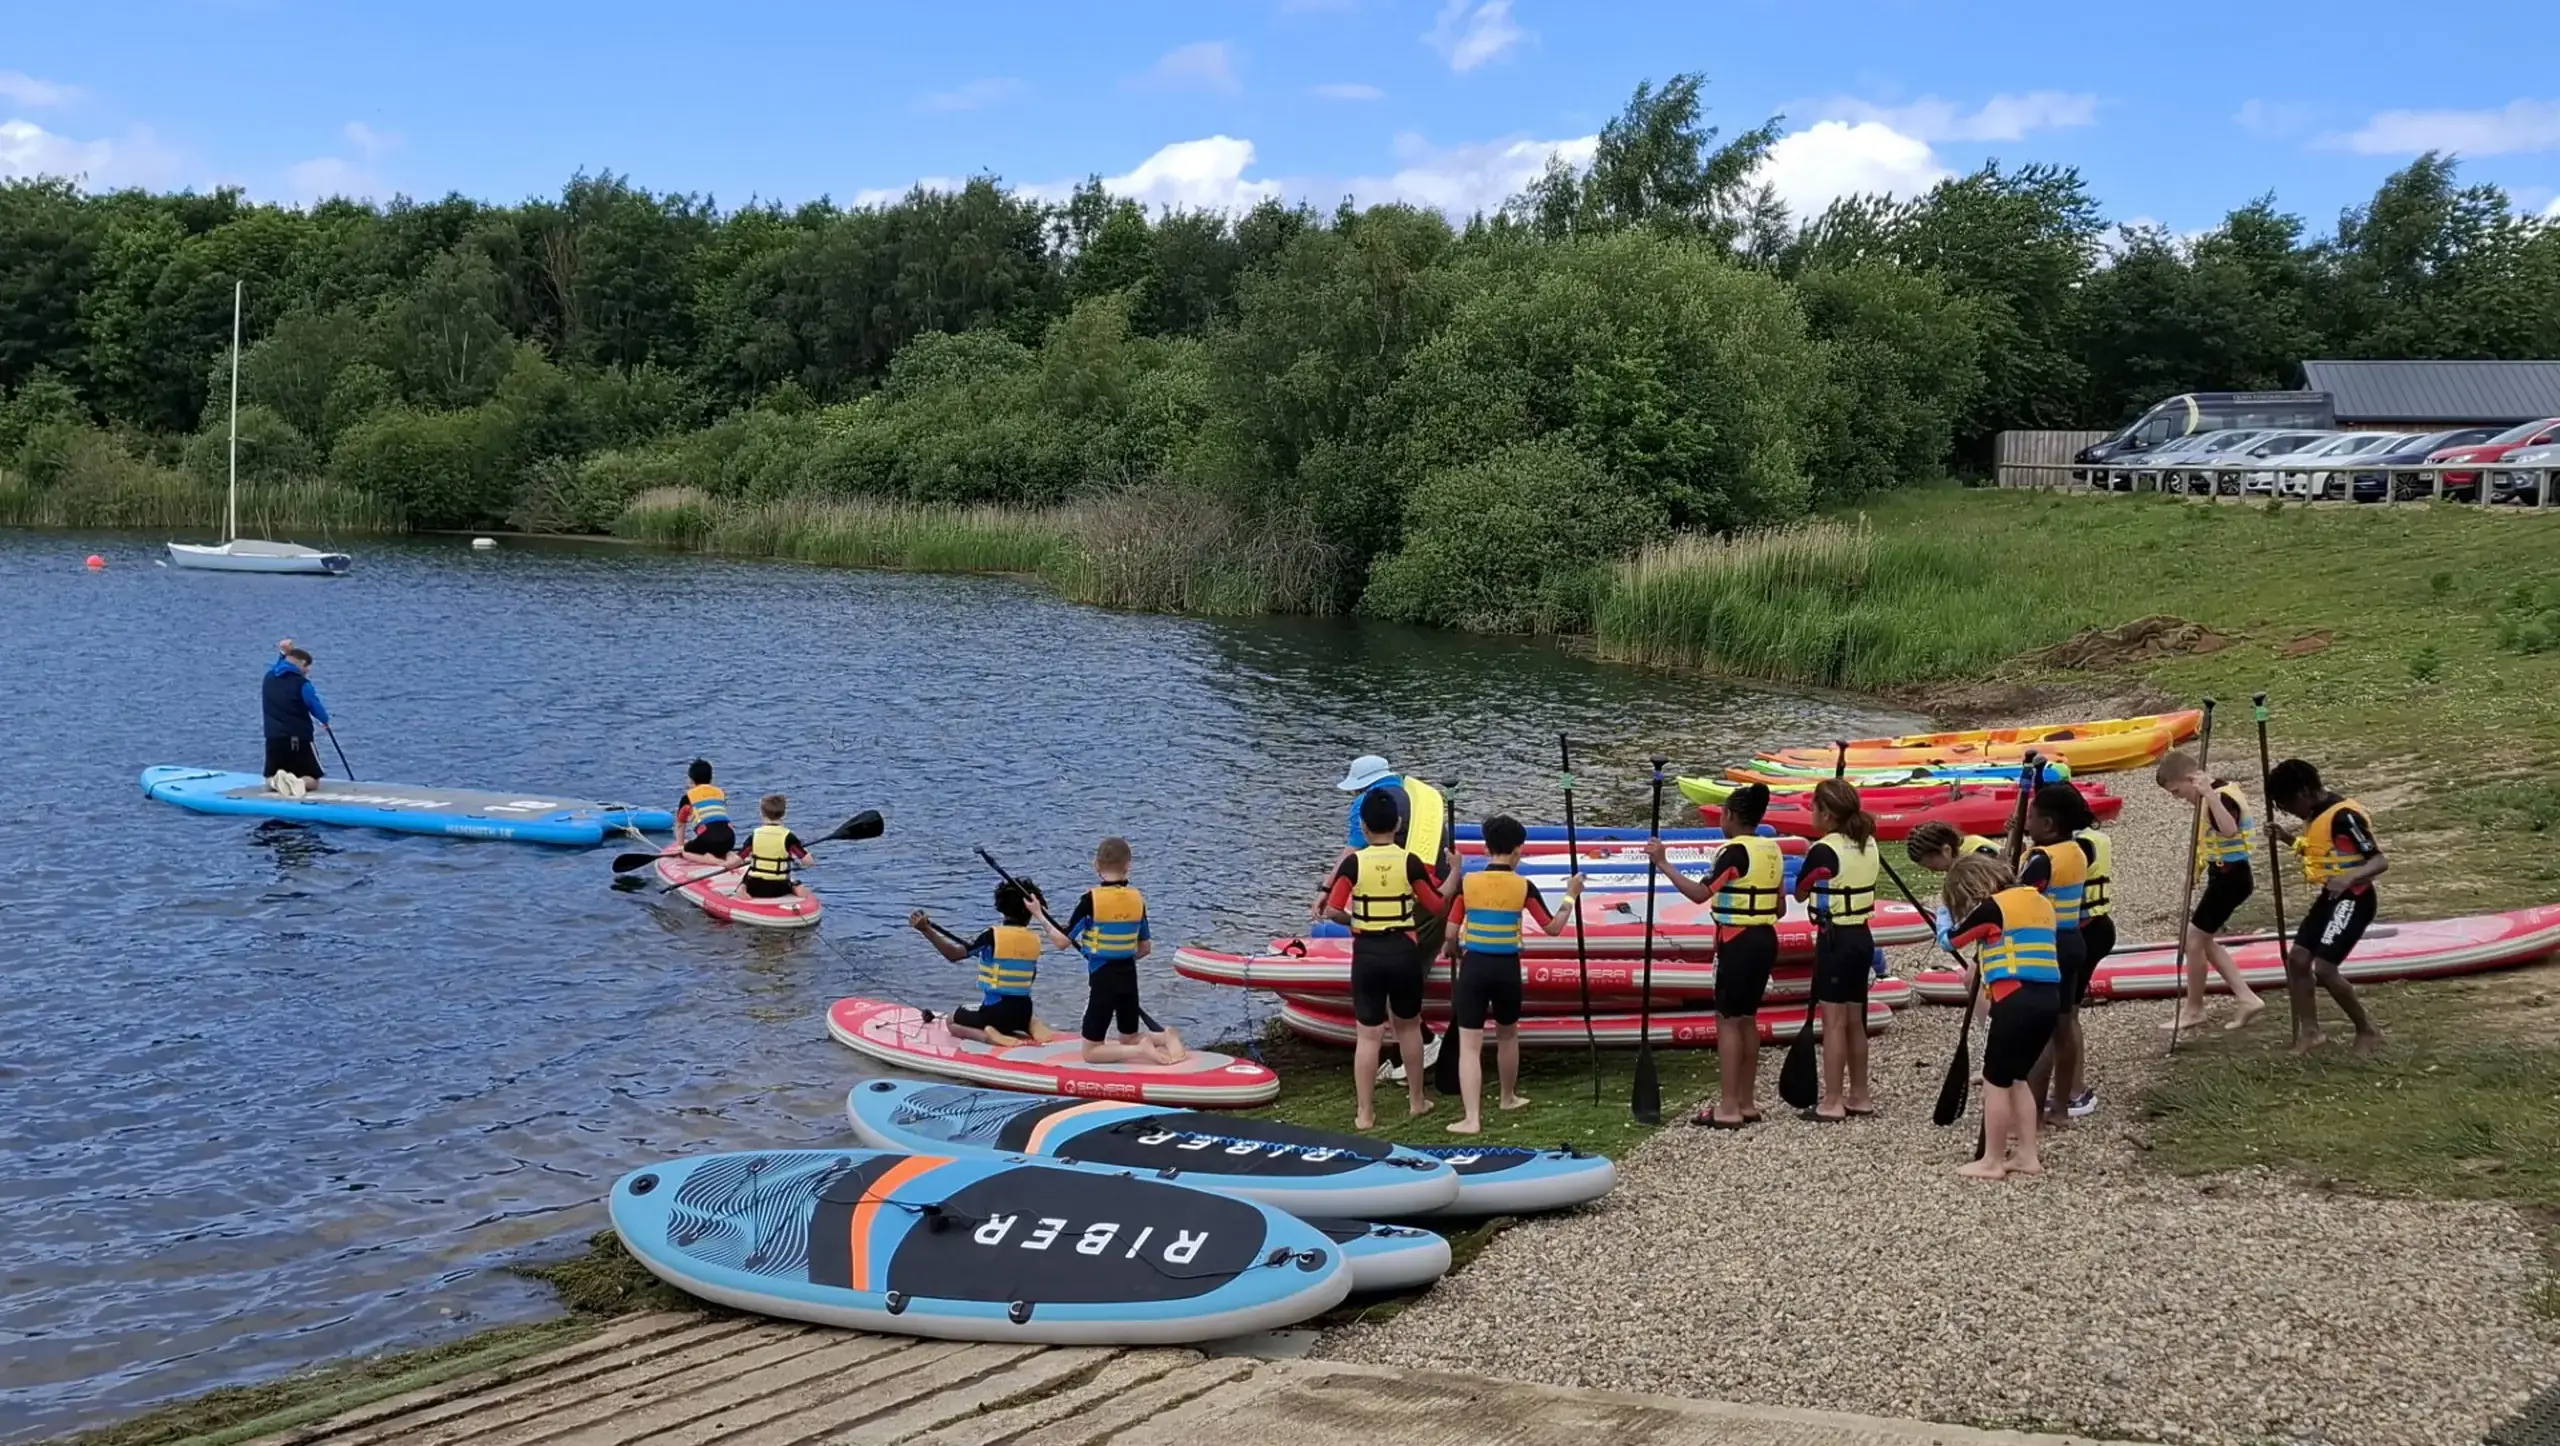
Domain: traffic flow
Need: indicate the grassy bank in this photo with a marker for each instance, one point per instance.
(148, 497)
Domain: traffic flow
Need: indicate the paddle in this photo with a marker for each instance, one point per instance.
(2187, 894)
(2275, 860)
(864, 825)
(350, 769)
(1959, 1080)
(1041, 906)
(1797, 1084)
(1444, 1065)
(1646, 1102)
(1581, 954)
(1960, 1069)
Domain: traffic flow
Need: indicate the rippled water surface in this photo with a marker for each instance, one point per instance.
(269, 1096)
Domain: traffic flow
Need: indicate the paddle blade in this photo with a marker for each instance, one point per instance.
(1959, 1083)
(866, 824)
(1647, 1102)
(1444, 1067)
(625, 863)
(1796, 1083)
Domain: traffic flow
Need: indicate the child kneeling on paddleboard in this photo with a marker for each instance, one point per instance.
(774, 852)
(702, 816)
(1109, 927)
(2341, 855)
(2020, 974)
(1484, 953)
(1008, 958)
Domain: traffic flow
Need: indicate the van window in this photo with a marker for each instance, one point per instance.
(2159, 427)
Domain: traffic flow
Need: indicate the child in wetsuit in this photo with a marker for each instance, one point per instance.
(2222, 852)
(1381, 891)
(1109, 927)
(2341, 855)
(1746, 887)
(1484, 946)
(702, 816)
(2020, 979)
(774, 853)
(1008, 957)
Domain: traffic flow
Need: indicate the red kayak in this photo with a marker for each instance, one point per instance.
(1983, 811)
(1545, 985)
(1691, 1028)
(2427, 950)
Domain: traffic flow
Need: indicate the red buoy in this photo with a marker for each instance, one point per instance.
(96, 562)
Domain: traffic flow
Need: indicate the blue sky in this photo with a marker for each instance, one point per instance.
(2175, 113)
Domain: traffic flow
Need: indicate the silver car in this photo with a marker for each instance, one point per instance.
(2162, 464)
(2530, 475)
(2291, 475)
(2220, 471)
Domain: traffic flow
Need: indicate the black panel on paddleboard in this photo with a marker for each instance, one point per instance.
(1015, 1134)
(831, 1223)
(1224, 1145)
(1486, 1160)
(1056, 1237)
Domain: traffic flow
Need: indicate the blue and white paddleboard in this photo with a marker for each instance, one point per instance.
(1513, 1180)
(974, 1249)
(1587, 834)
(1388, 1257)
(404, 807)
(1303, 1171)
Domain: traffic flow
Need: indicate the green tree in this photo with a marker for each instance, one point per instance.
(442, 339)
(1657, 165)
(1519, 540)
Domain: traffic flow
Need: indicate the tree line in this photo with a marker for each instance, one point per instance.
(1447, 423)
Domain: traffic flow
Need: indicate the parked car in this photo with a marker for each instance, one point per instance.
(2162, 465)
(2217, 471)
(2289, 475)
(2531, 478)
(2410, 452)
(2466, 483)
(2192, 414)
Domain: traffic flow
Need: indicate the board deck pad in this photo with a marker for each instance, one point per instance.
(974, 1249)
(403, 807)
(904, 1037)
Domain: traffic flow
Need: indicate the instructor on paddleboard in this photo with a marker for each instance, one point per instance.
(292, 708)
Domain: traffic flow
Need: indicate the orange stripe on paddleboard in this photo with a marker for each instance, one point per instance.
(914, 1167)
(1040, 1132)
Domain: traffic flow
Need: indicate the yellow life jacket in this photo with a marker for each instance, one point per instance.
(2322, 859)
(769, 853)
(1117, 924)
(1849, 896)
(1758, 896)
(1011, 961)
(1427, 822)
(2225, 849)
(707, 805)
(2066, 882)
(2098, 890)
(1974, 843)
(1382, 891)
(1496, 897)
(2024, 951)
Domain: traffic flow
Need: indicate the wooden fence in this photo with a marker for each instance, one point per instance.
(2037, 459)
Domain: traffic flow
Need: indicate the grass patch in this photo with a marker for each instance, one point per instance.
(2463, 1102)
(152, 498)
(847, 534)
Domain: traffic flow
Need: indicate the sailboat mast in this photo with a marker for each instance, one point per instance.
(231, 510)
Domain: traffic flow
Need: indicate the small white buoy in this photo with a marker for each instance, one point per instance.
(483, 544)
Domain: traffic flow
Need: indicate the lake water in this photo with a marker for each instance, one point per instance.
(271, 1096)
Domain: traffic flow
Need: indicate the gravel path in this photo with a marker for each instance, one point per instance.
(1845, 1267)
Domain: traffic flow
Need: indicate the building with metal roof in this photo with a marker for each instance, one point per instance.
(2427, 395)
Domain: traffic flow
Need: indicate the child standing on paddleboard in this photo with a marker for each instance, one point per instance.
(1484, 948)
(1839, 878)
(2342, 857)
(1382, 892)
(2020, 978)
(2222, 852)
(1008, 958)
(1746, 889)
(1109, 927)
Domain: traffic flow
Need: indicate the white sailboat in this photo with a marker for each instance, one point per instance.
(248, 554)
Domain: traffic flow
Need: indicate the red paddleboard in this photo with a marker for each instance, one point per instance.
(2428, 950)
(1613, 928)
(899, 1035)
(723, 895)
(1546, 985)
(1983, 811)
(1333, 1024)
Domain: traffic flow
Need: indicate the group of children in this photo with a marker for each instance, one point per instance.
(772, 855)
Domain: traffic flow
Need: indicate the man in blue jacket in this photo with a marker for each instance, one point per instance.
(292, 707)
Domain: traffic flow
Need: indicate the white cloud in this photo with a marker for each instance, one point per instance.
(324, 177)
(2518, 126)
(138, 159)
(976, 95)
(1201, 175)
(1464, 179)
(870, 196)
(1471, 32)
(1350, 90)
(20, 88)
(2005, 117)
(372, 143)
(1830, 159)
(1202, 65)
(2273, 118)
(2552, 211)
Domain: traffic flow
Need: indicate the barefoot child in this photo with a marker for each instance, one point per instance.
(2021, 978)
(774, 853)
(1008, 958)
(702, 817)
(1381, 891)
(1747, 888)
(2097, 933)
(2222, 852)
(1484, 943)
(1839, 878)
(2058, 867)
(1109, 927)
(2341, 856)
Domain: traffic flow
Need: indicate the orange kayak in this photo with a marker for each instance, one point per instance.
(2098, 746)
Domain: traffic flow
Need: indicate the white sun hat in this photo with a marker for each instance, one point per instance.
(1367, 772)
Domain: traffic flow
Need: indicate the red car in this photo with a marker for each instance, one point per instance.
(2497, 449)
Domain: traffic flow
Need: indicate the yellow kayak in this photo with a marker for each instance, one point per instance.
(2099, 746)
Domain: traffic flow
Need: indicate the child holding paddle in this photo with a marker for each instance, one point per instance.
(1839, 878)
(2020, 974)
(1109, 927)
(2342, 857)
(774, 853)
(2222, 852)
(2058, 867)
(1484, 946)
(1008, 957)
(1745, 887)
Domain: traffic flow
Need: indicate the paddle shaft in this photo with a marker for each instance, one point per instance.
(341, 750)
(2275, 860)
(1646, 1100)
(1959, 1081)
(2187, 894)
(1581, 953)
(1042, 906)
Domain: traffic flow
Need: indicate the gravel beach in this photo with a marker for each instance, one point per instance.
(1845, 1267)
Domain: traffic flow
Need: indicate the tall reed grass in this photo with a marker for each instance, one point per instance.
(846, 533)
(152, 498)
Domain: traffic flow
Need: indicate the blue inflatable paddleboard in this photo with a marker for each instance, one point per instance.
(1512, 1180)
(1306, 1172)
(974, 1249)
(1387, 1257)
(404, 807)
